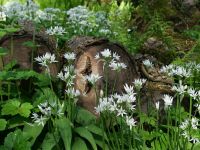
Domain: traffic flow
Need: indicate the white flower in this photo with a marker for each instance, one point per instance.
(93, 78)
(97, 56)
(195, 123)
(34, 116)
(57, 30)
(121, 112)
(157, 105)
(192, 93)
(181, 71)
(194, 140)
(184, 125)
(45, 109)
(72, 92)
(128, 89)
(180, 88)
(116, 56)
(2, 16)
(64, 76)
(70, 56)
(168, 100)
(46, 59)
(186, 135)
(117, 66)
(40, 120)
(138, 83)
(106, 53)
(130, 122)
(147, 63)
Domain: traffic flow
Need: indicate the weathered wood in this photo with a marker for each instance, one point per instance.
(87, 47)
(22, 53)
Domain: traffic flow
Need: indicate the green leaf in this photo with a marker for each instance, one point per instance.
(11, 107)
(79, 144)
(14, 107)
(15, 140)
(24, 109)
(100, 143)
(3, 123)
(64, 127)
(10, 65)
(32, 132)
(196, 146)
(3, 51)
(11, 29)
(96, 130)
(83, 132)
(50, 141)
(29, 44)
(85, 117)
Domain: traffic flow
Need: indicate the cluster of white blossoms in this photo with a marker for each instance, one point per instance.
(57, 30)
(47, 110)
(180, 71)
(138, 83)
(173, 70)
(92, 78)
(147, 63)
(168, 100)
(46, 60)
(190, 129)
(112, 59)
(17, 10)
(119, 105)
(68, 73)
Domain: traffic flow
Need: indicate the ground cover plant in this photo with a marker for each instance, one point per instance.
(39, 104)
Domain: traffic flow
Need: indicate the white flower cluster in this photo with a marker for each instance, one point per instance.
(111, 58)
(70, 56)
(46, 60)
(68, 75)
(47, 110)
(16, 10)
(180, 88)
(119, 105)
(180, 71)
(84, 21)
(139, 83)
(187, 126)
(57, 30)
(147, 63)
(73, 94)
(167, 100)
(92, 78)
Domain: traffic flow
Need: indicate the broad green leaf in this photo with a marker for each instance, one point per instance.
(16, 121)
(64, 127)
(3, 123)
(83, 132)
(32, 132)
(96, 130)
(196, 146)
(24, 109)
(10, 108)
(10, 65)
(85, 117)
(14, 107)
(16, 141)
(50, 141)
(103, 146)
(79, 144)
(11, 29)
(3, 51)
